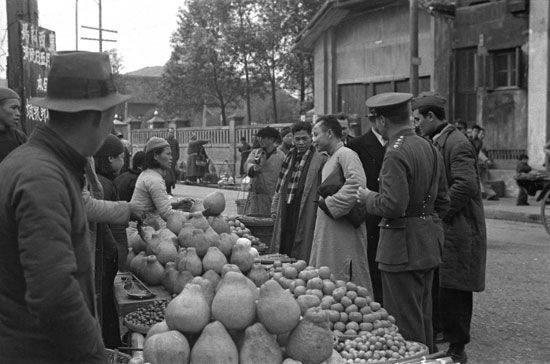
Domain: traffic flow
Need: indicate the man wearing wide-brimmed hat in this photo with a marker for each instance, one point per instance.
(47, 305)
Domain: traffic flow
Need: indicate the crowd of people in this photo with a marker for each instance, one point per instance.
(397, 210)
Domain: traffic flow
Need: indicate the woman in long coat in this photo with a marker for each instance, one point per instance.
(336, 243)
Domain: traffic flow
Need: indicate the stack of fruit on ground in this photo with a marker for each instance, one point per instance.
(238, 228)
(351, 310)
(190, 246)
(234, 321)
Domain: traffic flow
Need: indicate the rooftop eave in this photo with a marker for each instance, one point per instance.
(331, 14)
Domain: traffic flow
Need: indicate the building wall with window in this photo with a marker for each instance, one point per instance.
(366, 52)
(490, 51)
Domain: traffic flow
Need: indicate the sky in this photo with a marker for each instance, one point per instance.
(144, 27)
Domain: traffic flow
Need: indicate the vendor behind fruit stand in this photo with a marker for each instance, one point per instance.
(150, 192)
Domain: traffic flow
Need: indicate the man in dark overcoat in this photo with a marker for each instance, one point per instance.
(48, 313)
(370, 147)
(462, 270)
(412, 198)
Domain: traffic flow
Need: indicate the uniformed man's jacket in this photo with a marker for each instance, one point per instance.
(412, 200)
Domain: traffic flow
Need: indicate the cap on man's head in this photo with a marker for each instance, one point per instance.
(112, 146)
(428, 99)
(155, 143)
(268, 132)
(378, 104)
(8, 94)
(80, 81)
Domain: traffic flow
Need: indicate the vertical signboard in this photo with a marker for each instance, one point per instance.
(37, 47)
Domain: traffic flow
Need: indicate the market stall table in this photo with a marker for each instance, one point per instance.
(126, 304)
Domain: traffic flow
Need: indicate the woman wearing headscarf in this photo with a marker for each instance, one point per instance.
(150, 191)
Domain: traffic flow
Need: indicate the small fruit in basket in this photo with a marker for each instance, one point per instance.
(362, 291)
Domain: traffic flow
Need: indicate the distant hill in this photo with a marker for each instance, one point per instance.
(153, 71)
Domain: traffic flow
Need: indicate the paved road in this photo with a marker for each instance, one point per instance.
(511, 322)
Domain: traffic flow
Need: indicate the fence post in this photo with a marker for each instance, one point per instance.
(233, 145)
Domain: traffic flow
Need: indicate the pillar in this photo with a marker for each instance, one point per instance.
(538, 95)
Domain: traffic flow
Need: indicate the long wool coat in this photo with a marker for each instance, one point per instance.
(262, 187)
(465, 249)
(336, 243)
(307, 215)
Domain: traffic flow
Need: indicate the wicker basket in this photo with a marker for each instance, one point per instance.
(260, 226)
(116, 357)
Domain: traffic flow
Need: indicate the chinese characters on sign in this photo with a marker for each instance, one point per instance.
(37, 45)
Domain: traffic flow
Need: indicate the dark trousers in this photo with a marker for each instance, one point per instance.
(373, 235)
(436, 314)
(456, 314)
(290, 216)
(408, 298)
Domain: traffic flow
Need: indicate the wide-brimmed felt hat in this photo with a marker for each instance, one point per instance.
(80, 81)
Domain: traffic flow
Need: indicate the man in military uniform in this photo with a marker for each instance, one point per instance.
(412, 198)
(462, 270)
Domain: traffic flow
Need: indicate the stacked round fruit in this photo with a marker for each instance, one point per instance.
(373, 348)
(351, 310)
(237, 227)
(148, 315)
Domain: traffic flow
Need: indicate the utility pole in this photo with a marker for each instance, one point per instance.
(100, 38)
(414, 59)
(100, 28)
(76, 25)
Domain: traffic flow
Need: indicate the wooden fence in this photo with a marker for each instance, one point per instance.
(222, 146)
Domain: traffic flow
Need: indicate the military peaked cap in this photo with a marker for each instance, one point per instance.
(386, 100)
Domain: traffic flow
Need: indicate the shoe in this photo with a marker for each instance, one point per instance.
(522, 204)
(439, 338)
(492, 198)
(457, 353)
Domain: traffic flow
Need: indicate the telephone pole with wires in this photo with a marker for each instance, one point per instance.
(100, 30)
